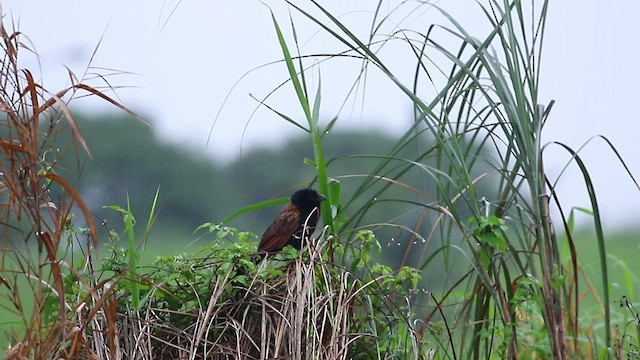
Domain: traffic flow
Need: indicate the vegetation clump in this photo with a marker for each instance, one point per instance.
(225, 302)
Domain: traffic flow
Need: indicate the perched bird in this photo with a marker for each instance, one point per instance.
(289, 227)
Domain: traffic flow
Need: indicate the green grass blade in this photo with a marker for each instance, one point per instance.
(293, 74)
(255, 207)
(150, 220)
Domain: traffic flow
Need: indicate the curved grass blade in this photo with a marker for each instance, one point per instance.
(255, 207)
(597, 222)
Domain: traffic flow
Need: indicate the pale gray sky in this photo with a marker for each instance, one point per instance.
(187, 61)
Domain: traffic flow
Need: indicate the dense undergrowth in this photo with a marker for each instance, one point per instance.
(485, 274)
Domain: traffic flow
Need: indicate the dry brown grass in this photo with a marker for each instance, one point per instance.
(286, 317)
(38, 205)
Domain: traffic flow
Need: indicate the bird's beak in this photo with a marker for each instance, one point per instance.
(322, 198)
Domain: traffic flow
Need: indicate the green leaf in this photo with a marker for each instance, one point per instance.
(330, 125)
(315, 115)
(334, 191)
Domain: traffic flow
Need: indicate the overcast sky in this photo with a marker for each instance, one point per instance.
(183, 58)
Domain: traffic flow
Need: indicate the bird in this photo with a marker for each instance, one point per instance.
(298, 219)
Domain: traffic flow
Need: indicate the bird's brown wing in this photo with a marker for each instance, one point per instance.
(279, 232)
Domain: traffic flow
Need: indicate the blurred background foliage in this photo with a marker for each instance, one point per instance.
(129, 161)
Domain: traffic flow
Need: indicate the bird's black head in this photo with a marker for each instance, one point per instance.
(308, 199)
